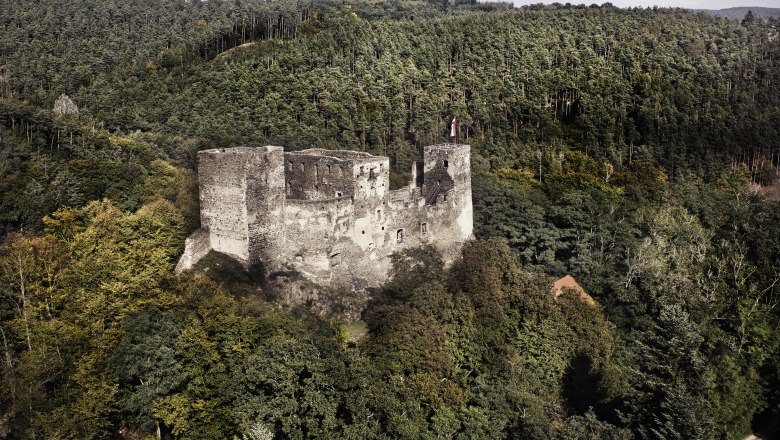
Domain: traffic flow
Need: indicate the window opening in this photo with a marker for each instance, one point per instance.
(399, 236)
(446, 164)
(424, 228)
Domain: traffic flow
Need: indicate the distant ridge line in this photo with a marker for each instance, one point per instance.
(738, 12)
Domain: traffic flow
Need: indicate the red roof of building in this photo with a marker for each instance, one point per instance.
(569, 283)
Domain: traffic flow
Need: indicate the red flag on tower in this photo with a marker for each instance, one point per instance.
(452, 127)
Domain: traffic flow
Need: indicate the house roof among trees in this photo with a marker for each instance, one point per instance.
(569, 283)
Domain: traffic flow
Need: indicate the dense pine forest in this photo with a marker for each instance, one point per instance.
(630, 148)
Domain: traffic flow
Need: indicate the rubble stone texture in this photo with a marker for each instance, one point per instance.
(65, 106)
(329, 215)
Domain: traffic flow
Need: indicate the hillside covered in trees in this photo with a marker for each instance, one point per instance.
(623, 147)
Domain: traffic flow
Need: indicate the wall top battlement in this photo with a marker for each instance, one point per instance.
(447, 146)
(355, 156)
(239, 150)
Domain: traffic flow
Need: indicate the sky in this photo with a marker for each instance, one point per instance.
(690, 4)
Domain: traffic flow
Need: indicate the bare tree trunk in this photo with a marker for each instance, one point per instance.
(539, 153)
(23, 293)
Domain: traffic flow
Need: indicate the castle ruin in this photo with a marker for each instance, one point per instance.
(329, 215)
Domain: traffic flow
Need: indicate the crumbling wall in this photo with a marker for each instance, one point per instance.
(313, 230)
(196, 246)
(317, 177)
(372, 181)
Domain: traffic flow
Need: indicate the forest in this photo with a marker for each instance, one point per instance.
(634, 149)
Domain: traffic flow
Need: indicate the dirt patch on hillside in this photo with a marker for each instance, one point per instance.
(771, 192)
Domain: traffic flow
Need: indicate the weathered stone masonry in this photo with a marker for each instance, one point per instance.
(329, 215)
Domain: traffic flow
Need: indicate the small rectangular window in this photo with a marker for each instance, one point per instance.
(446, 164)
(399, 236)
(424, 228)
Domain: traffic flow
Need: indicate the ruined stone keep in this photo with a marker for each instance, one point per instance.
(329, 215)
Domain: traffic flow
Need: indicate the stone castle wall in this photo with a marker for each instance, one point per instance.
(330, 215)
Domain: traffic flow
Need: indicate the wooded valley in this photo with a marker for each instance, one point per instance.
(629, 148)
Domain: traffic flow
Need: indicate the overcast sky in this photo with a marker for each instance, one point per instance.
(691, 4)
